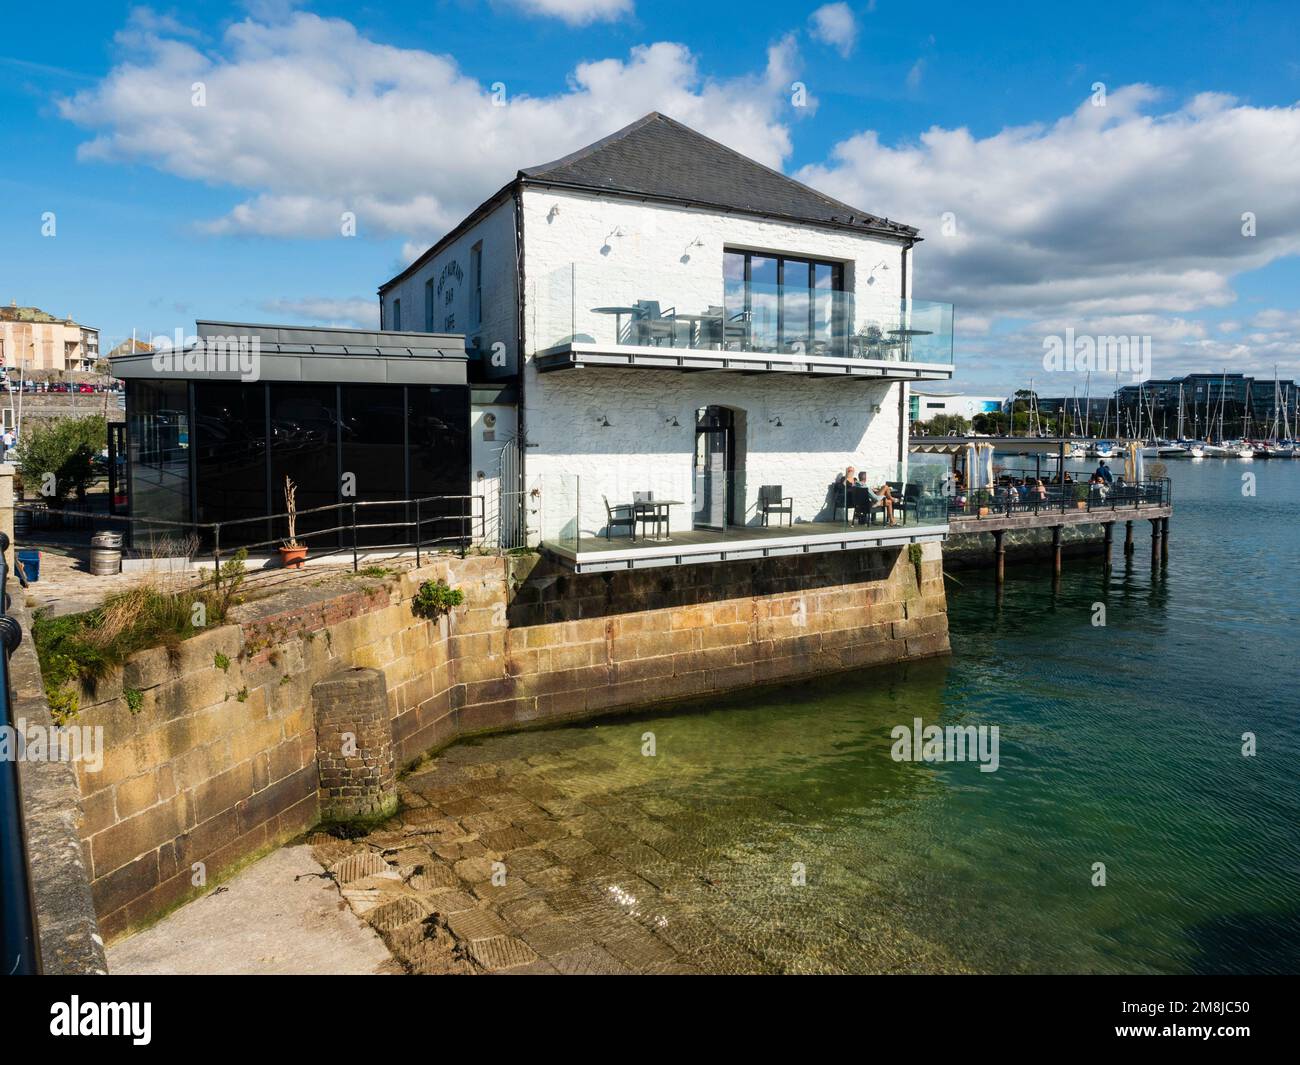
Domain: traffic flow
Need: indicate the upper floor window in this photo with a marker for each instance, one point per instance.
(792, 304)
(397, 314)
(428, 306)
(476, 285)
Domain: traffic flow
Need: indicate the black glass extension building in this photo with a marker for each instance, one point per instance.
(352, 416)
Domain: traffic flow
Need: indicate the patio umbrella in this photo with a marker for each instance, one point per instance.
(1130, 463)
(972, 467)
(988, 465)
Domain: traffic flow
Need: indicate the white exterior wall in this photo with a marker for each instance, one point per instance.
(451, 294)
(573, 457)
(485, 443)
(576, 459)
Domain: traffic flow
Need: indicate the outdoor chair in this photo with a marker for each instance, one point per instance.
(864, 507)
(650, 325)
(614, 520)
(908, 502)
(648, 512)
(771, 501)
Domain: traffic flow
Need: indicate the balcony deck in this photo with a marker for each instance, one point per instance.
(596, 554)
(578, 355)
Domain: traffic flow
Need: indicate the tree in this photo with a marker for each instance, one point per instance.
(66, 449)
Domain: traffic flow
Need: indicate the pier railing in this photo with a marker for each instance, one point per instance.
(1054, 496)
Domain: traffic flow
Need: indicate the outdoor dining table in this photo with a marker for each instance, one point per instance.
(693, 321)
(649, 510)
(905, 338)
(618, 313)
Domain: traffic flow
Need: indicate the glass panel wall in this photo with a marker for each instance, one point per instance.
(304, 446)
(230, 458)
(157, 414)
(372, 433)
(438, 435)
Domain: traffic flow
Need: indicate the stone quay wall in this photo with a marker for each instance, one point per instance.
(221, 758)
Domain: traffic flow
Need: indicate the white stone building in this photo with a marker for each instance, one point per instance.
(658, 316)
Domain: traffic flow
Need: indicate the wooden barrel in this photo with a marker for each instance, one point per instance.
(106, 553)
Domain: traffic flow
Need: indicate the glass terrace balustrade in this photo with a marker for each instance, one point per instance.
(696, 508)
(582, 305)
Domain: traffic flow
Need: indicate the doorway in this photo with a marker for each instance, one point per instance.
(715, 464)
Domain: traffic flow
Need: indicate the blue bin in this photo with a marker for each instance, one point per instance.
(31, 561)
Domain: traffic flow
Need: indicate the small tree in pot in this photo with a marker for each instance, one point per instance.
(292, 553)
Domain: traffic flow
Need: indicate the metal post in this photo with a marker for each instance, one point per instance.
(417, 534)
(355, 566)
(19, 940)
(216, 555)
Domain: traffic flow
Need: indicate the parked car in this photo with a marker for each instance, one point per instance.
(86, 388)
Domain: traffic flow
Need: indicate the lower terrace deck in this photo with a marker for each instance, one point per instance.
(596, 554)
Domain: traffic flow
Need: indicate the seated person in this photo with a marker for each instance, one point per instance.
(881, 496)
(1039, 491)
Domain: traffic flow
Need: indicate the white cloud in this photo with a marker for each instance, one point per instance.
(357, 312)
(308, 118)
(914, 75)
(577, 12)
(834, 25)
(1121, 210)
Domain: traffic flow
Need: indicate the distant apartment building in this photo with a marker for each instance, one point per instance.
(33, 339)
(1237, 402)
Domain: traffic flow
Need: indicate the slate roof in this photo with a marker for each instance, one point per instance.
(657, 156)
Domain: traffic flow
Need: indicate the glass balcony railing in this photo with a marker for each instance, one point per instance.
(697, 508)
(581, 305)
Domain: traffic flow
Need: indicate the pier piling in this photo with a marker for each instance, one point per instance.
(1109, 530)
(1056, 549)
(1155, 541)
(1164, 539)
(1128, 538)
(999, 555)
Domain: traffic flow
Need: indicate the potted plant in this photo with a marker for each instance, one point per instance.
(1081, 497)
(292, 553)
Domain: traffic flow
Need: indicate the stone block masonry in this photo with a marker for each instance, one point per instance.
(354, 746)
(232, 748)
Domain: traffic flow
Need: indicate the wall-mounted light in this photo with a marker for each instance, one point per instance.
(606, 248)
(553, 213)
(686, 252)
(672, 420)
(776, 421)
(833, 422)
(882, 266)
(603, 422)
(875, 408)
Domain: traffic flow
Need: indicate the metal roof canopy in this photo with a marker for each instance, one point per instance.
(949, 445)
(312, 354)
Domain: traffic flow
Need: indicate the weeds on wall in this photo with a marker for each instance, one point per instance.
(434, 599)
(85, 647)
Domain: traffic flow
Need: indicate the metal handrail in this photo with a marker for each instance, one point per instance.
(470, 515)
(19, 944)
(1155, 491)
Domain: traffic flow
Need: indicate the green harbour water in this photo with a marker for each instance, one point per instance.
(1119, 744)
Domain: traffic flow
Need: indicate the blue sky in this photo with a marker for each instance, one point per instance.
(1123, 218)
